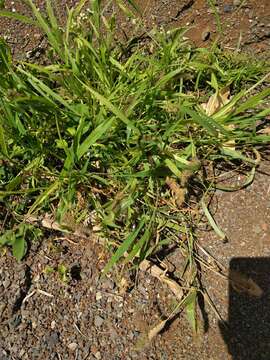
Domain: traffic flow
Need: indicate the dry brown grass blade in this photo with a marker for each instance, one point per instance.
(48, 222)
(156, 330)
(157, 272)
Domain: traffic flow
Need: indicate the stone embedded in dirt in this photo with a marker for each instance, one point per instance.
(2, 308)
(15, 321)
(98, 296)
(98, 321)
(53, 339)
(228, 8)
(53, 324)
(72, 346)
(97, 355)
(108, 284)
(6, 283)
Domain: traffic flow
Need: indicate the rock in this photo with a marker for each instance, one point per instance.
(53, 324)
(237, 2)
(6, 283)
(72, 346)
(108, 284)
(98, 296)
(228, 8)
(2, 308)
(97, 355)
(15, 321)
(98, 321)
(53, 339)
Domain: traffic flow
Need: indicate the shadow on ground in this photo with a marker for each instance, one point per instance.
(247, 331)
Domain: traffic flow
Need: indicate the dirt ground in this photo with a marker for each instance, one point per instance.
(42, 316)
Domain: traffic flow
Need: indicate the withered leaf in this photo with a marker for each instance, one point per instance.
(178, 191)
(216, 101)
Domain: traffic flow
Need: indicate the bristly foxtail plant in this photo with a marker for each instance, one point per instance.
(118, 130)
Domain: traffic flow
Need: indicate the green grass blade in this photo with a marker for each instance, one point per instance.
(45, 27)
(253, 101)
(44, 196)
(105, 102)
(3, 144)
(47, 92)
(123, 247)
(212, 222)
(190, 304)
(237, 155)
(138, 246)
(51, 16)
(95, 135)
(16, 16)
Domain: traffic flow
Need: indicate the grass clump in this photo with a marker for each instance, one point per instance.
(116, 134)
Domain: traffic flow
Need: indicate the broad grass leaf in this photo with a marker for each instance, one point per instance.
(19, 247)
(174, 169)
(253, 101)
(190, 306)
(212, 126)
(234, 154)
(3, 144)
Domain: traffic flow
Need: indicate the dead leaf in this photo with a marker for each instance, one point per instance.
(178, 191)
(123, 286)
(243, 284)
(157, 272)
(214, 104)
(216, 101)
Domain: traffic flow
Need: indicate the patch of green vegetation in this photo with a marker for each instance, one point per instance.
(117, 132)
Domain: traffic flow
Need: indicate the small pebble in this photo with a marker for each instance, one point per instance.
(72, 346)
(98, 296)
(6, 283)
(53, 323)
(53, 339)
(98, 321)
(97, 355)
(228, 8)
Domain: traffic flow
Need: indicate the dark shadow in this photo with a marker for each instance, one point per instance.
(247, 331)
(75, 272)
(23, 290)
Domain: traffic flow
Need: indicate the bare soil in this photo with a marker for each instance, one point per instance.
(42, 316)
